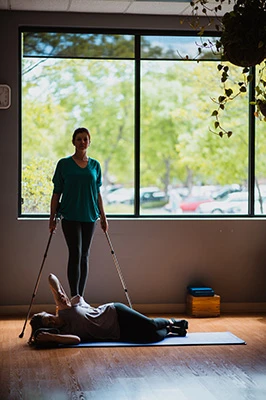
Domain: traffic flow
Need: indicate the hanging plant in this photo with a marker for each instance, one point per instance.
(243, 36)
(260, 101)
(261, 107)
(242, 43)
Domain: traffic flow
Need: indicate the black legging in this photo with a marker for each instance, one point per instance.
(78, 237)
(136, 327)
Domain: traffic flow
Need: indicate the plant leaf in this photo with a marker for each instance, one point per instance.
(228, 92)
(224, 77)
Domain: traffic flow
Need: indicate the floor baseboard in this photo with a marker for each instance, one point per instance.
(227, 308)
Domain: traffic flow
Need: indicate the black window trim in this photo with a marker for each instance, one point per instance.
(137, 34)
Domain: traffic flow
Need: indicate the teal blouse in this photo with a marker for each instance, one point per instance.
(79, 188)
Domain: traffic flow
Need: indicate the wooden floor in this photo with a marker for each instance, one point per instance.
(165, 373)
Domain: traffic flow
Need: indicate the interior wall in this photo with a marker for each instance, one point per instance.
(158, 258)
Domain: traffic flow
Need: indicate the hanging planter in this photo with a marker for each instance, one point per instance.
(243, 38)
(235, 55)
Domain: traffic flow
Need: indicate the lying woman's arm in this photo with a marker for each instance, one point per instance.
(45, 337)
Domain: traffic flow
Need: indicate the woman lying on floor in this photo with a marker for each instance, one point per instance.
(108, 322)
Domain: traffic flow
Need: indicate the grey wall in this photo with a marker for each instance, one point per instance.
(159, 258)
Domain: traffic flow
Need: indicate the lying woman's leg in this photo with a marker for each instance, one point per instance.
(61, 299)
(136, 327)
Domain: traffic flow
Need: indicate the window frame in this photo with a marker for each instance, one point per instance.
(137, 128)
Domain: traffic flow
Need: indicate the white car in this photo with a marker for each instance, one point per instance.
(126, 195)
(236, 203)
(122, 195)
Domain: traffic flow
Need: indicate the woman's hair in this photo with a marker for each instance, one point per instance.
(37, 327)
(80, 130)
(36, 323)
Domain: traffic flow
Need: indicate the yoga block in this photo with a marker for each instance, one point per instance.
(203, 306)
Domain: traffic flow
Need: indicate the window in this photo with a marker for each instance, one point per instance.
(69, 80)
(260, 161)
(147, 103)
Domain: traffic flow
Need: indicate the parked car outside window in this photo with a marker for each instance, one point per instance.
(148, 196)
(236, 203)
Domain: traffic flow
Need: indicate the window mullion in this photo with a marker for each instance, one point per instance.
(137, 125)
(251, 148)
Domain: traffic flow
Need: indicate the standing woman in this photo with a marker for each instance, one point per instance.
(77, 180)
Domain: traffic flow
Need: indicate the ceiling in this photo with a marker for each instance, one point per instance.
(163, 7)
